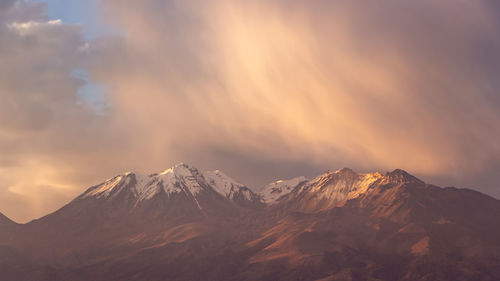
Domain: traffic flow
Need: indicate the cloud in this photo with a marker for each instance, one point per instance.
(259, 89)
(372, 84)
(48, 134)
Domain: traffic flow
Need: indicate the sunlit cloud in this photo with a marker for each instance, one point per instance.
(369, 84)
(259, 89)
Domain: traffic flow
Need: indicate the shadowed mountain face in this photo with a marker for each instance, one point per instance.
(183, 224)
(4, 221)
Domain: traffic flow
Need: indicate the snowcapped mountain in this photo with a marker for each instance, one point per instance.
(273, 192)
(230, 188)
(182, 181)
(178, 180)
(183, 224)
(331, 189)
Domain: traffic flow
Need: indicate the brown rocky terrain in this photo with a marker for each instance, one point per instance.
(187, 225)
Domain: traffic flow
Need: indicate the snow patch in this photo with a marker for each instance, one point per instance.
(180, 178)
(272, 192)
(341, 185)
(225, 185)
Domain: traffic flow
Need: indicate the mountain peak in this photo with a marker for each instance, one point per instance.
(272, 192)
(331, 187)
(345, 171)
(341, 185)
(401, 176)
(344, 174)
(180, 169)
(334, 227)
(222, 183)
(179, 180)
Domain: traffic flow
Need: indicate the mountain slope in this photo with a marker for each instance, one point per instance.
(329, 190)
(275, 191)
(399, 229)
(231, 189)
(6, 228)
(181, 179)
(186, 225)
(5, 221)
(134, 207)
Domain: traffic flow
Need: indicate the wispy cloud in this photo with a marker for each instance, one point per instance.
(251, 87)
(371, 84)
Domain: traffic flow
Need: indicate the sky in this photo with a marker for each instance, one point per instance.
(262, 90)
(82, 12)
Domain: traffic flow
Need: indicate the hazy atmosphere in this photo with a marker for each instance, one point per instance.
(261, 90)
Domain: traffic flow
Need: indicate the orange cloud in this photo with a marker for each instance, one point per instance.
(335, 82)
(258, 89)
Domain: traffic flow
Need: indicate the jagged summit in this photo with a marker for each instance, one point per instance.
(172, 180)
(222, 183)
(180, 169)
(332, 189)
(341, 225)
(273, 192)
(179, 179)
(345, 171)
(327, 190)
(228, 187)
(401, 176)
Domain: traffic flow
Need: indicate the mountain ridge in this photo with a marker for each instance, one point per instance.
(181, 225)
(153, 183)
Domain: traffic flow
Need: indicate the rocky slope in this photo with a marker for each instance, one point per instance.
(183, 224)
(274, 192)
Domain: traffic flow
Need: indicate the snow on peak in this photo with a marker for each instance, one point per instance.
(167, 171)
(184, 175)
(344, 180)
(180, 178)
(225, 185)
(334, 187)
(340, 185)
(272, 192)
(105, 189)
(345, 171)
(177, 179)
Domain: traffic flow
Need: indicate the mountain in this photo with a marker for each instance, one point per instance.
(179, 181)
(231, 189)
(183, 224)
(5, 221)
(6, 226)
(330, 190)
(395, 227)
(275, 191)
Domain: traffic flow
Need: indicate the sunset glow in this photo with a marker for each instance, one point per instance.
(248, 87)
